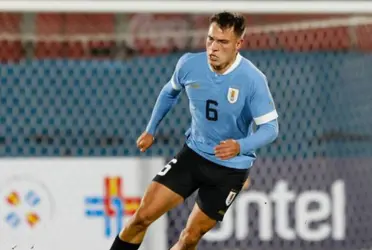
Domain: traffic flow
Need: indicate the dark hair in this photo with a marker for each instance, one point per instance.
(226, 20)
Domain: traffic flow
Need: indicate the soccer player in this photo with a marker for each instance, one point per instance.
(227, 94)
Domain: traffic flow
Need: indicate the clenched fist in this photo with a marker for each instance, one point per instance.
(227, 149)
(145, 141)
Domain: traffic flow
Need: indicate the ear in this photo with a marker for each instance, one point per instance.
(239, 44)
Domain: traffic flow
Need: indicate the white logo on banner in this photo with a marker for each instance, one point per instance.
(327, 211)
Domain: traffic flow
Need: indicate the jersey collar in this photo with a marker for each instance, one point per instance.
(233, 66)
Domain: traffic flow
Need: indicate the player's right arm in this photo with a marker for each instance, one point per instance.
(167, 98)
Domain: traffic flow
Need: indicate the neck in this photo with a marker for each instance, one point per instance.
(223, 68)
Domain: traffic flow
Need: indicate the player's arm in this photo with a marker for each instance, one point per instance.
(262, 108)
(167, 97)
(264, 135)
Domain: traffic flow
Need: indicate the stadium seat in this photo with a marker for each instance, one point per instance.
(314, 39)
(364, 34)
(49, 24)
(10, 51)
(89, 24)
(49, 49)
(75, 50)
(10, 23)
(259, 41)
(101, 49)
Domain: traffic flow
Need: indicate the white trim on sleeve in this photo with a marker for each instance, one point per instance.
(266, 118)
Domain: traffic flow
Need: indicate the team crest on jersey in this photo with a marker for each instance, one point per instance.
(232, 95)
(230, 198)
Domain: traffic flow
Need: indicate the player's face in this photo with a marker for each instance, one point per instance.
(222, 46)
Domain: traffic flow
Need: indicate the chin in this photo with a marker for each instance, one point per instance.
(214, 64)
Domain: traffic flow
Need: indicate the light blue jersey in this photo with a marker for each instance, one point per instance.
(222, 106)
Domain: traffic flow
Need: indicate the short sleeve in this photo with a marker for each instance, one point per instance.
(262, 105)
(179, 73)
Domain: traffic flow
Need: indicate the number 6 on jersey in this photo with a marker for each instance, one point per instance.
(211, 113)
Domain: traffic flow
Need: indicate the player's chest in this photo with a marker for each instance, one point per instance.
(227, 96)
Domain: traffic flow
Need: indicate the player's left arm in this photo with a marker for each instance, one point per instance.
(262, 108)
(263, 111)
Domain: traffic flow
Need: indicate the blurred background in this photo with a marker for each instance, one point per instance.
(77, 89)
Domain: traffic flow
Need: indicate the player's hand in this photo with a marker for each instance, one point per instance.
(227, 149)
(145, 141)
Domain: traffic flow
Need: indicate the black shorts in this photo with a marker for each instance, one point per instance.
(218, 185)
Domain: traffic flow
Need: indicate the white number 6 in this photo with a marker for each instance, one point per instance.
(167, 167)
